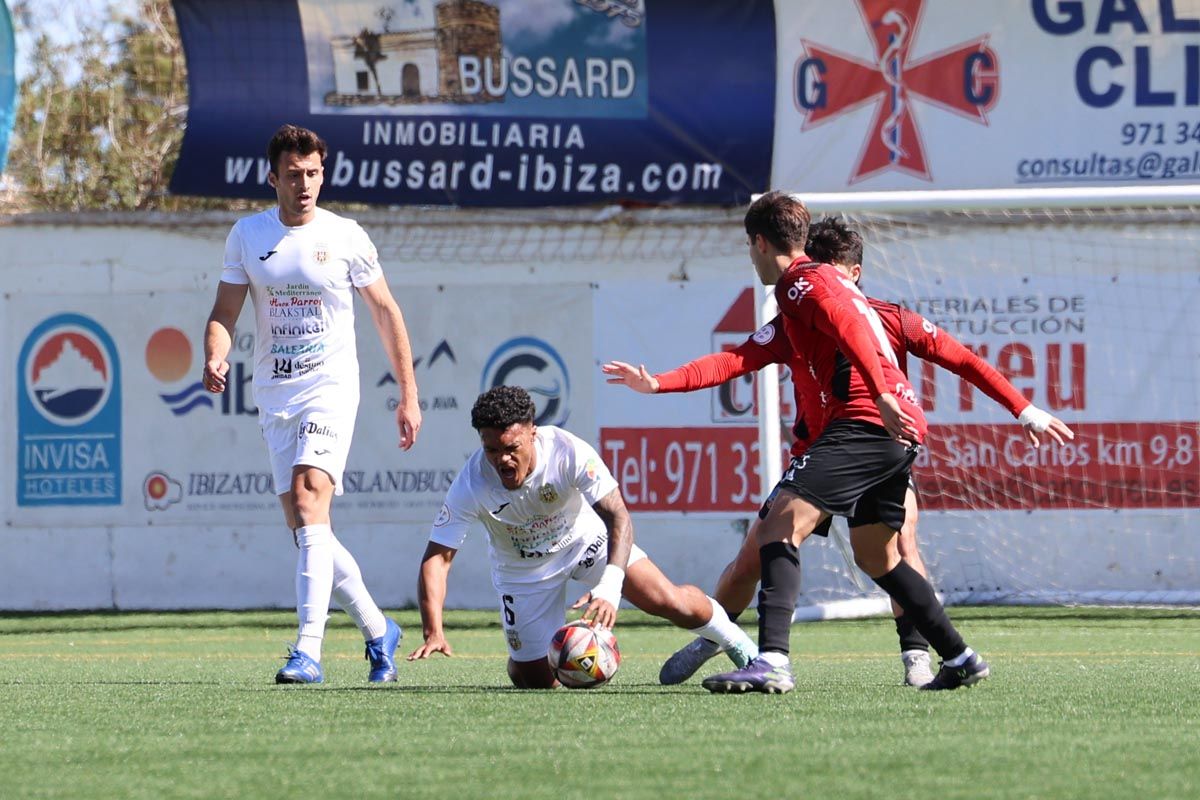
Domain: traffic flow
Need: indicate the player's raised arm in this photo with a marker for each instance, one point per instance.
(431, 598)
(927, 341)
(768, 345)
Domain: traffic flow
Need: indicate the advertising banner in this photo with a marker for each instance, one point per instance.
(1065, 341)
(114, 426)
(485, 102)
(880, 95)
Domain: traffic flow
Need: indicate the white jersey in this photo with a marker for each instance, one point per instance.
(542, 528)
(301, 283)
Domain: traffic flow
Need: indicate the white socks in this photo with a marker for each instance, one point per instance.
(314, 583)
(325, 569)
(960, 659)
(723, 631)
(351, 594)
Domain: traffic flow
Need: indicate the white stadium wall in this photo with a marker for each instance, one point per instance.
(189, 520)
(158, 497)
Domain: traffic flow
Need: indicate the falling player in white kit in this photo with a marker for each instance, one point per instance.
(552, 512)
(301, 265)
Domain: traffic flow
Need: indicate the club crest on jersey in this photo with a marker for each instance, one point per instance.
(547, 493)
(321, 253)
(514, 639)
(765, 334)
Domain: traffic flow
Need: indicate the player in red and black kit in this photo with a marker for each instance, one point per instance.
(830, 241)
(858, 467)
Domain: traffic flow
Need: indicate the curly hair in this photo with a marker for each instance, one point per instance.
(781, 219)
(294, 139)
(830, 241)
(502, 406)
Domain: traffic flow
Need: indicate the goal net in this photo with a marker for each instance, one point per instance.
(1088, 313)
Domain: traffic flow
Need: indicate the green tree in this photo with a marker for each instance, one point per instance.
(101, 115)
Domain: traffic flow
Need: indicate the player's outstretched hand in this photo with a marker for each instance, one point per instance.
(901, 426)
(1057, 429)
(433, 644)
(1034, 421)
(214, 375)
(600, 613)
(636, 378)
(408, 420)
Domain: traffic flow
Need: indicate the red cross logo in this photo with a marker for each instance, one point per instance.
(963, 79)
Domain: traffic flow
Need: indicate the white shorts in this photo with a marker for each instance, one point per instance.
(315, 437)
(530, 613)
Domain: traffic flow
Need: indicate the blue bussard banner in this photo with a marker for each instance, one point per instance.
(485, 103)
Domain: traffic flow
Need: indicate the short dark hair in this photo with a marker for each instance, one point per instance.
(780, 219)
(831, 241)
(502, 406)
(294, 139)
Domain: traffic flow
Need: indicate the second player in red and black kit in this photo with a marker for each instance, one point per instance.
(858, 467)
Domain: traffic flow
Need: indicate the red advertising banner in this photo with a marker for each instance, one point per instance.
(964, 466)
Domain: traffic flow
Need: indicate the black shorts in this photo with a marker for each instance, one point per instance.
(821, 530)
(853, 470)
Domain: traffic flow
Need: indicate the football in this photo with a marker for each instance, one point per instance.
(583, 657)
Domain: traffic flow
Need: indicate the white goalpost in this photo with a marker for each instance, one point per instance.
(1083, 300)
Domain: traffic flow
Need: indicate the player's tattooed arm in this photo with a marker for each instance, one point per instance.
(606, 596)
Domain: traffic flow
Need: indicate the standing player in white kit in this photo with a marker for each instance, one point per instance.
(299, 264)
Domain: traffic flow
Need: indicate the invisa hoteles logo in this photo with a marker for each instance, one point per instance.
(536, 367)
(68, 415)
(963, 79)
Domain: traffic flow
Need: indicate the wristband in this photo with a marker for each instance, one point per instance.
(1035, 418)
(609, 587)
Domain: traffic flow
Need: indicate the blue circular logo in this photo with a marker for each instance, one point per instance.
(538, 369)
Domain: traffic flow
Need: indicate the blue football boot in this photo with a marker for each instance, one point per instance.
(381, 652)
(300, 669)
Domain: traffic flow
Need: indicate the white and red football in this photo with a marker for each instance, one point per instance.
(583, 657)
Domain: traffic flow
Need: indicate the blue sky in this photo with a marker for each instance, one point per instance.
(61, 19)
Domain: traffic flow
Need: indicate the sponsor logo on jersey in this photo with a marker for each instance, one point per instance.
(798, 290)
(68, 415)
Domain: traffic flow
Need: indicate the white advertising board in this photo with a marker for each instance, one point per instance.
(887, 95)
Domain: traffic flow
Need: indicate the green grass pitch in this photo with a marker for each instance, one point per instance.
(1082, 703)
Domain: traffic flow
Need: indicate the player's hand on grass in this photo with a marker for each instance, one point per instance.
(434, 643)
(214, 375)
(599, 612)
(900, 425)
(636, 378)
